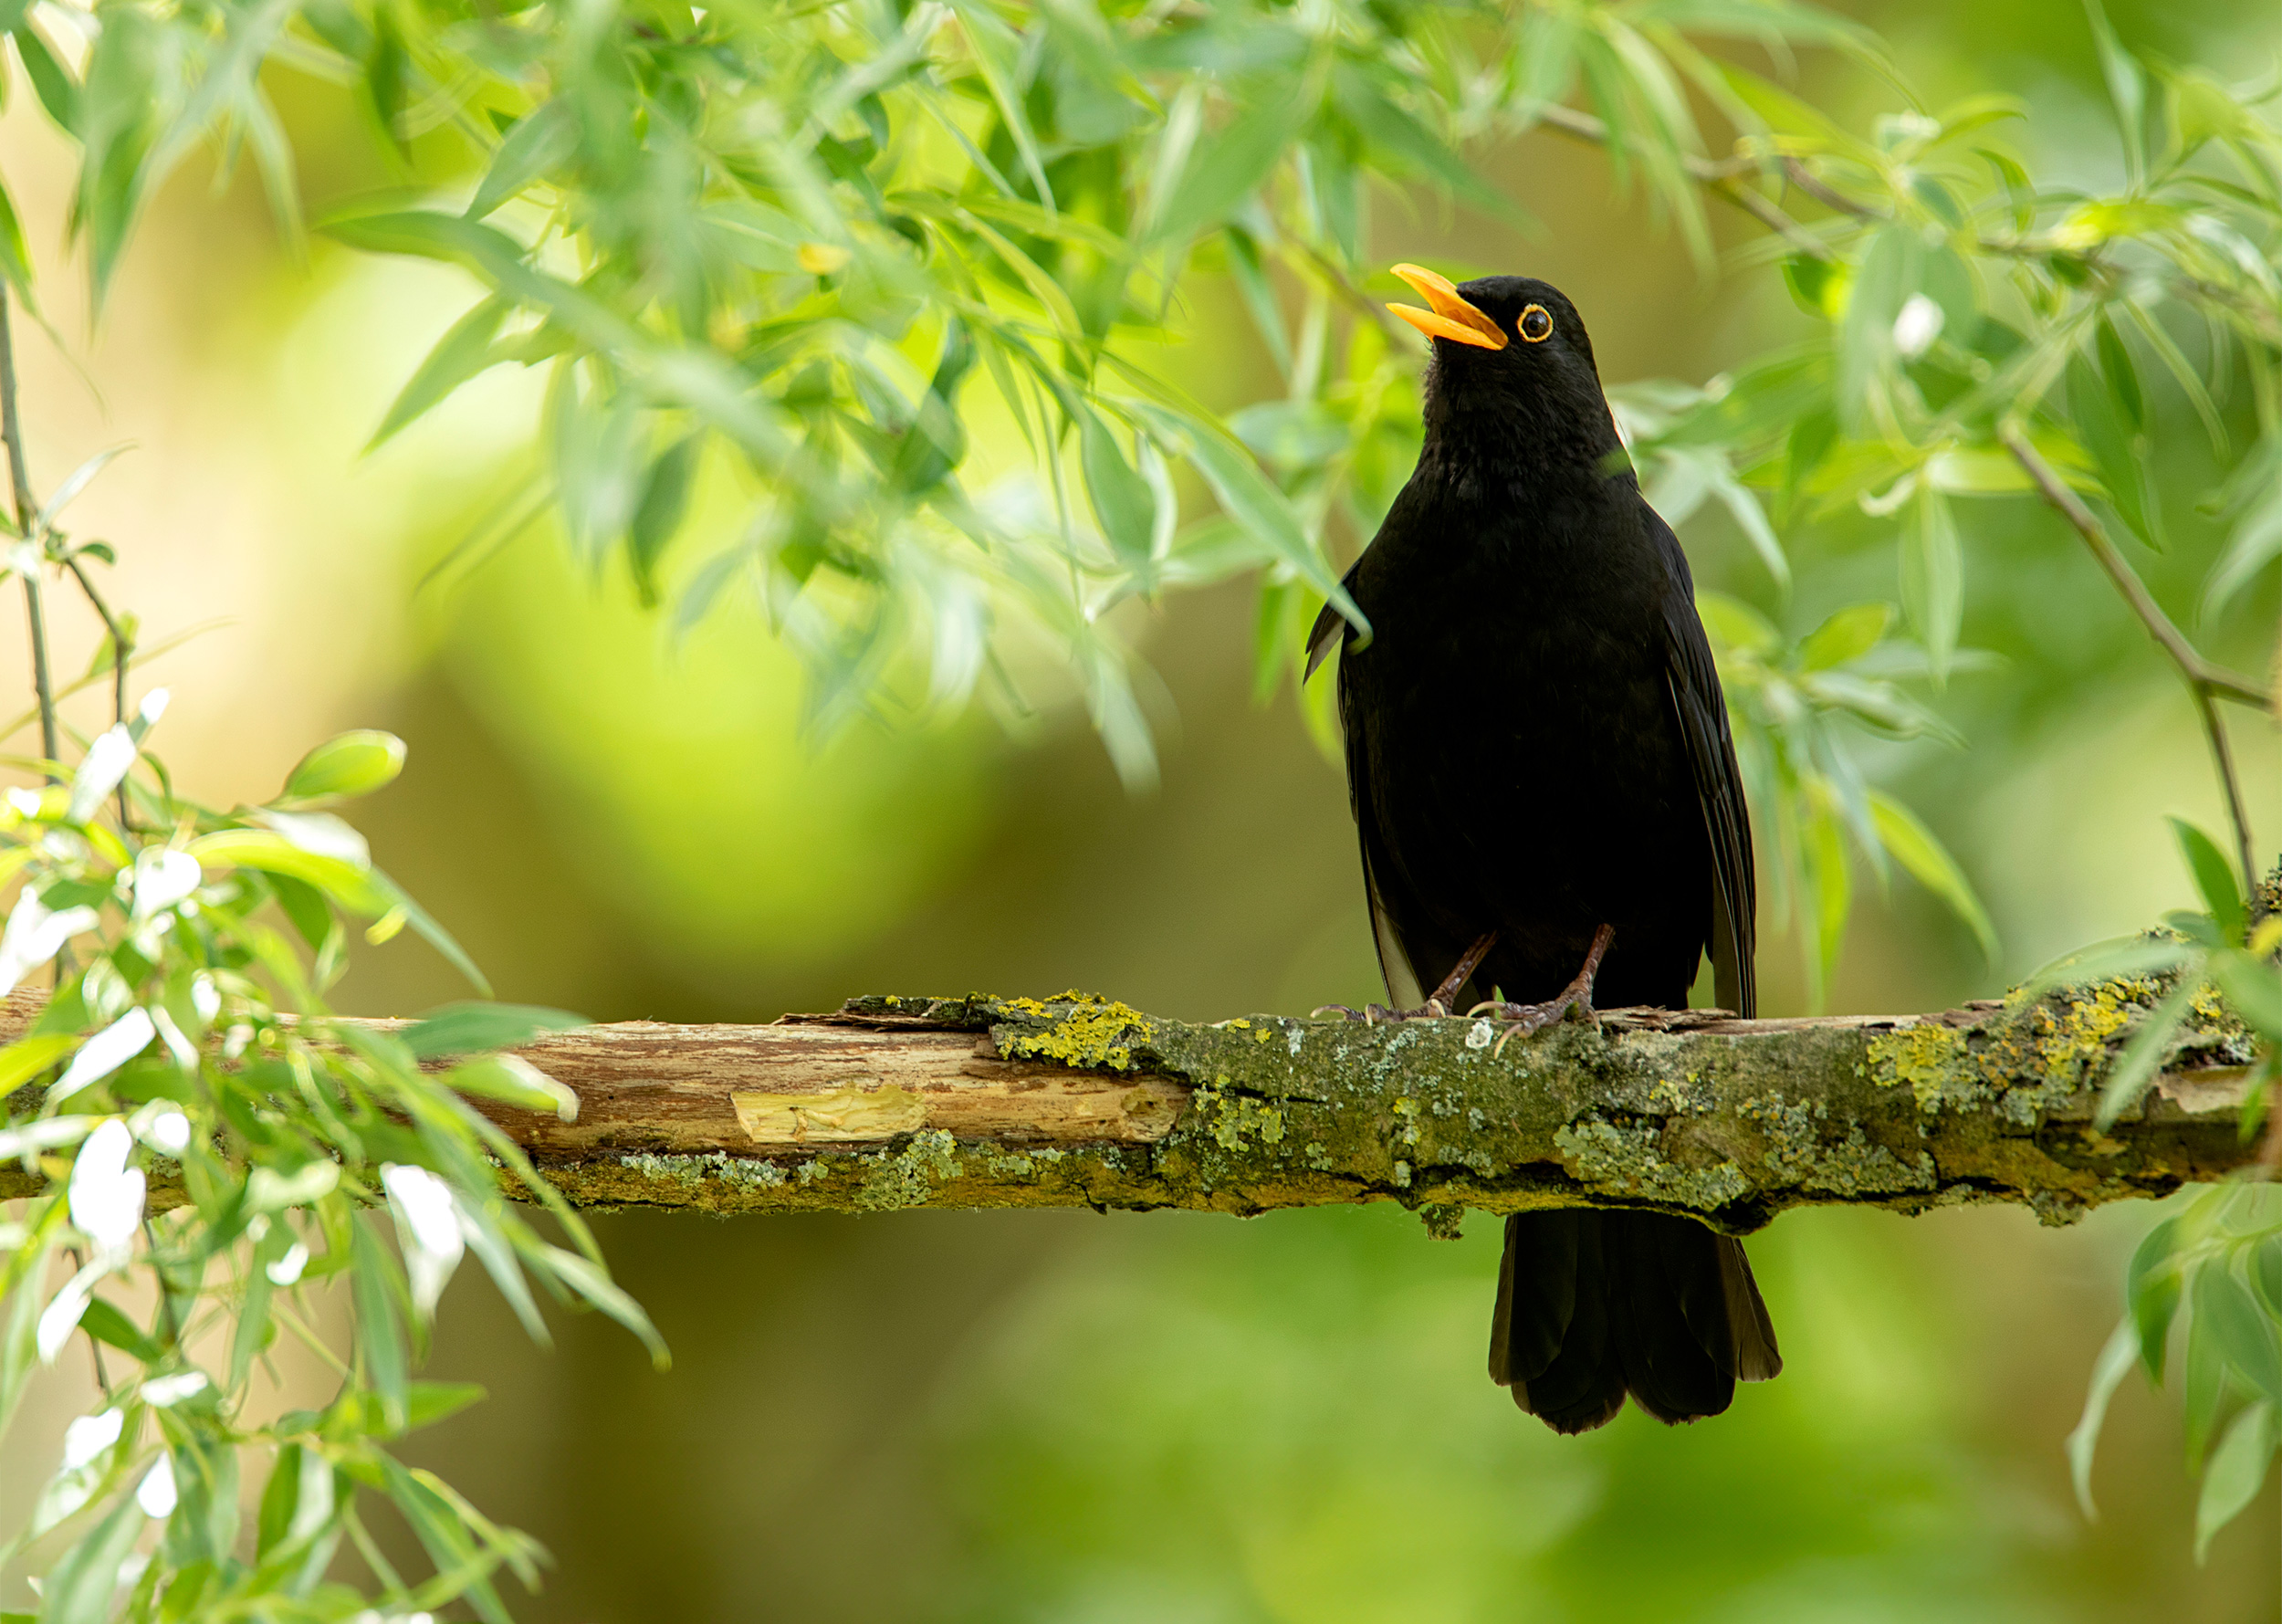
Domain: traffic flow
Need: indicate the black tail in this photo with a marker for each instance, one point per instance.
(1594, 1305)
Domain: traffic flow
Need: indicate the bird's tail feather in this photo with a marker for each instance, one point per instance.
(1594, 1305)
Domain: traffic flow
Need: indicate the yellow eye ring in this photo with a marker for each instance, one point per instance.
(1535, 325)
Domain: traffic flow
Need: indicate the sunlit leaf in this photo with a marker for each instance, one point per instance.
(2237, 1472)
(1913, 845)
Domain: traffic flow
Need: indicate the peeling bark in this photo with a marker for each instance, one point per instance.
(982, 1102)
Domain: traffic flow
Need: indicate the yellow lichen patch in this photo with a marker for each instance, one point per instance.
(1093, 1033)
(1239, 1022)
(1932, 1060)
(2072, 1042)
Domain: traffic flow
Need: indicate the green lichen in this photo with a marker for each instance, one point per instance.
(908, 1178)
(692, 1171)
(1235, 1120)
(1627, 1159)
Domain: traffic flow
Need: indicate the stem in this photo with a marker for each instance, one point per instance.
(120, 648)
(1726, 179)
(2207, 682)
(20, 480)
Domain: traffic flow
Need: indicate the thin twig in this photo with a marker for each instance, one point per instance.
(121, 648)
(20, 479)
(2206, 681)
(1723, 177)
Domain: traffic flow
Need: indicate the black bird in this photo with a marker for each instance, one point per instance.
(1542, 774)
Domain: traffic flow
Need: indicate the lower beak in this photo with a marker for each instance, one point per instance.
(1452, 318)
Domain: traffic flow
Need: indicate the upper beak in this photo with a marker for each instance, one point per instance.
(1452, 318)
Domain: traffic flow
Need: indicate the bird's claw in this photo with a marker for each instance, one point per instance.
(1574, 1000)
(1372, 1014)
(1524, 1020)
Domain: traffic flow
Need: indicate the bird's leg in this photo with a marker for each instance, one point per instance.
(1438, 1004)
(1575, 999)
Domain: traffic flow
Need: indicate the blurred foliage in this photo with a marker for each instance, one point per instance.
(186, 1041)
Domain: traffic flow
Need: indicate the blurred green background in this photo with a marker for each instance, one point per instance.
(954, 1416)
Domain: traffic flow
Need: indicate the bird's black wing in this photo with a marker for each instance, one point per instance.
(1404, 984)
(1701, 709)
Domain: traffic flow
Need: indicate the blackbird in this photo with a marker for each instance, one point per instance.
(1546, 793)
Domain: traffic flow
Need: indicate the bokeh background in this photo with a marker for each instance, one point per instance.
(956, 1416)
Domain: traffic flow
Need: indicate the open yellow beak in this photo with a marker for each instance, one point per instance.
(1452, 318)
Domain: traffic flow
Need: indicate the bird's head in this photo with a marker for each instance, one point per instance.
(1512, 367)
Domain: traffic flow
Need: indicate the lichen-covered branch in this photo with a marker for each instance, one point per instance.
(1076, 1101)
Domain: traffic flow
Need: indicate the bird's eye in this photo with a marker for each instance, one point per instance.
(1536, 324)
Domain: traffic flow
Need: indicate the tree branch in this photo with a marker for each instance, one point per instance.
(26, 509)
(2206, 682)
(979, 1102)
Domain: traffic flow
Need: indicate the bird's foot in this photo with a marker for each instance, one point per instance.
(1436, 1008)
(1372, 1014)
(1574, 1000)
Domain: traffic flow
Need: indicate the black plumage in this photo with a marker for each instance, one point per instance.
(1537, 747)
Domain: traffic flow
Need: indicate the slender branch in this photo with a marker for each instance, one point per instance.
(26, 509)
(2205, 681)
(1724, 177)
(123, 648)
(981, 1102)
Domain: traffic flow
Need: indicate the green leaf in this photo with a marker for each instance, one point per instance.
(58, 92)
(2237, 1472)
(2252, 987)
(2214, 878)
(344, 767)
(2133, 1069)
(512, 1080)
(1247, 497)
(2241, 1331)
(1932, 578)
(380, 1332)
(590, 1281)
(1888, 276)
(1224, 170)
(2127, 89)
(280, 1497)
(2255, 542)
(428, 1402)
(1819, 286)
(480, 1026)
(1121, 500)
(463, 351)
(2099, 408)
(105, 1323)
(427, 927)
(2116, 1359)
(539, 142)
(997, 50)
(15, 259)
(658, 515)
(428, 236)
(78, 1587)
(1847, 635)
(26, 1058)
(355, 889)
(2122, 377)
(1914, 846)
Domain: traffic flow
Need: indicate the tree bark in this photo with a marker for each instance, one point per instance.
(1076, 1101)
